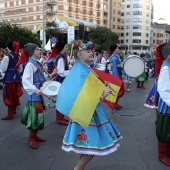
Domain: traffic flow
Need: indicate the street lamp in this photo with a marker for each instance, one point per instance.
(43, 48)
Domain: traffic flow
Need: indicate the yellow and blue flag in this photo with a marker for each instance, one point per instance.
(79, 94)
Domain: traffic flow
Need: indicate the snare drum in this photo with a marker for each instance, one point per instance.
(134, 66)
(49, 94)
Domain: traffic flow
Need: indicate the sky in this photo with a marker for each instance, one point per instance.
(162, 10)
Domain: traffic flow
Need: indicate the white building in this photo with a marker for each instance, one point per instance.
(136, 18)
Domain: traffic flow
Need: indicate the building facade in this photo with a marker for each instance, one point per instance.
(160, 34)
(28, 13)
(136, 19)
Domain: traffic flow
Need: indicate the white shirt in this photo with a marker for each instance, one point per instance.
(27, 79)
(103, 60)
(61, 68)
(164, 84)
(5, 63)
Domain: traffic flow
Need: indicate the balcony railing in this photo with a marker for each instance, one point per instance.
(51, 2)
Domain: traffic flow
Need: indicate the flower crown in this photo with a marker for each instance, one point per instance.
(82, 46)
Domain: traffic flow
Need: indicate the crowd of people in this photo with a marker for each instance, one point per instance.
(32, 68)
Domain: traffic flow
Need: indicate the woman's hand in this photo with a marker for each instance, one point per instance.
(106, 92)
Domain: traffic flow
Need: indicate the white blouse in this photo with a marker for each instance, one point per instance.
(27, 78)
(164, 84)
(61, 68)
(5, 63)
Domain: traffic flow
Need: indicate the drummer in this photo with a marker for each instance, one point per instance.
(63, 70)
(33, 78)
(116, 69)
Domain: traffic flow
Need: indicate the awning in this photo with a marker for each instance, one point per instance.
(65, 22)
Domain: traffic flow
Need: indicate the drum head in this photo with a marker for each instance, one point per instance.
(52, 88)
(134, 66)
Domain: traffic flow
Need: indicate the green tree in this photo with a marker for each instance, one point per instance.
(102, 38)
(51, 29)
(10, 32)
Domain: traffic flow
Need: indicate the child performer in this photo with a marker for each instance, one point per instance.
(33, 78)
(163, 119)
(101, 136)
(12, 79)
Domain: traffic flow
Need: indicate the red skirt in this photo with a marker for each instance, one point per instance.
(11, 93)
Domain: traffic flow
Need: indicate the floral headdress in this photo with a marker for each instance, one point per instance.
(82, 46)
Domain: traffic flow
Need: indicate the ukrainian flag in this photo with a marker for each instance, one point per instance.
(79, 94)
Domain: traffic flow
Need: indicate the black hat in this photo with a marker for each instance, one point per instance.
(113, 48)
(30, 48)
(165, 50)
(60, 46)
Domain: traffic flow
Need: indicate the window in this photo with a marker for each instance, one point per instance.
(34, 1)
(35, 27)
(127, 26)
(147, 35)
(114, 11)
(147, 28)
(27, 10)
(15, 11)
(127, 19)
(113, 26)
(34, 8)
(147, 41)
(137, 20)
(122, 34)
(118, 27)
(136, 34)
(122, 7)
(147, 21)
(147, 14)
(20, 11)
(75, 1)
(137, 6)
(114, 3)
(128, 6)
(9, 20)
(122, 27)
(15, 20)
(8, 12)
(153, 41)
(136, 41)
(122, 20)
(8, 4)
(147, 7)
(137, 27)
(114, 19)
(19, 2)
(128, 13)
(127, 34)
(118, 19)
(66, 7)
(137, 13)
(26, 1)
(27, 19)
(20, 19)
(15, 3)
(2, 13)
(35, 18)
(41, 17)
(122, 14)
(122, 41)
(119, 12)
(153, 34)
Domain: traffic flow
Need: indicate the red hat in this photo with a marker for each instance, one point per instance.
(15, 46)
(159, 60)
(54, 52)
(23, 58)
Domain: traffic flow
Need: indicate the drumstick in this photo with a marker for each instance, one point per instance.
(104, 82)
(47, 84)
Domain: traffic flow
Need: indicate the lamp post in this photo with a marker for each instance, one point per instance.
(43, 30)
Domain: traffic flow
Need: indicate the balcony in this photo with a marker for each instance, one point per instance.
(51, 2)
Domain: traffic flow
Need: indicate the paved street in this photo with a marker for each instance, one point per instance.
(138, 150)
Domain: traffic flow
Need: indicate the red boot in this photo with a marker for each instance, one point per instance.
(142, 85)
(32, 139)
(138, 84)
(39, 139)
(10, 114)
(168, 150)
(60, 118)
(162, 153)
(117, 107)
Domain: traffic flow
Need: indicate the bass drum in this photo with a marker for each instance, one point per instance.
(134, 66)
